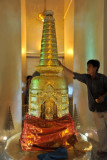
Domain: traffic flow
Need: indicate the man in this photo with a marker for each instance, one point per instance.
(28, 81)
(97, 98)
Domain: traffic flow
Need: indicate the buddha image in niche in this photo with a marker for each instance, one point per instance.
(49, 109)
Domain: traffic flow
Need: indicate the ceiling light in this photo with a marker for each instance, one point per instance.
(4, 138)
(42, 14)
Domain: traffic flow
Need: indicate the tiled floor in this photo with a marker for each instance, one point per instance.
(14, 151)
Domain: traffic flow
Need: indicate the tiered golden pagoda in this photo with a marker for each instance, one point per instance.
(48, 95)
(48, 124)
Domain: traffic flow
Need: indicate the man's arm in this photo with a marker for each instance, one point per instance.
(70, 74)
(66, 70)
(101, 98)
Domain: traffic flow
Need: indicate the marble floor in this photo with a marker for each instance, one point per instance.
(13, 151)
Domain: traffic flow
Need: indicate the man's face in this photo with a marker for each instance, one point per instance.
(91, 69)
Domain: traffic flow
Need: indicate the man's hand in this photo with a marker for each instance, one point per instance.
(67, 71)
(100, 99)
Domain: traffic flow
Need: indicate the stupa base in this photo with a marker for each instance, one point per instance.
(47, 135)
(13, 151)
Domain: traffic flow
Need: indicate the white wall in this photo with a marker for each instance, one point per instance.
(105, 37)
(88, 44)
(23, 48)
(69, 37)
(10, 61)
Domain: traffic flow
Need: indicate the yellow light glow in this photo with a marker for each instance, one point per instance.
(4, 138)
(23, 50)
(68, 8)
(41, 16)
(67, 131)
(70, 51)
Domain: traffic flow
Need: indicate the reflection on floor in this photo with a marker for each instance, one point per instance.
(14, 150)
(94, 156)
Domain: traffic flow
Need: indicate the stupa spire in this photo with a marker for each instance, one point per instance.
(49, 56)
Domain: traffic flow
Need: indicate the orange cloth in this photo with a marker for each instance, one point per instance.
(42, 134)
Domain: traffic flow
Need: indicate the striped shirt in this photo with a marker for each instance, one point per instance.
(96, 87)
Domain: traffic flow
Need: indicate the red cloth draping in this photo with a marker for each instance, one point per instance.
(42, 134)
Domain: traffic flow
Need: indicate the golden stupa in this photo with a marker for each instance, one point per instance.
(48, 124)
(48, 95)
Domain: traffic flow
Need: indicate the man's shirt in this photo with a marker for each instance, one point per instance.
(96, 87)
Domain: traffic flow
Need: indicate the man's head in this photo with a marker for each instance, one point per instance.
(93, 66)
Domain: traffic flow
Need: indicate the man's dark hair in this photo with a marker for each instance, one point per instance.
(95, 63)
(28, 77)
